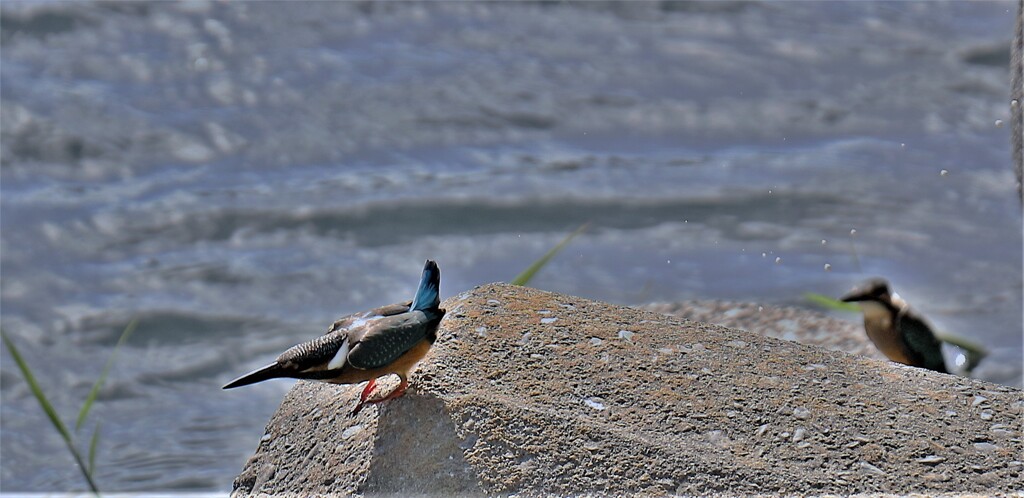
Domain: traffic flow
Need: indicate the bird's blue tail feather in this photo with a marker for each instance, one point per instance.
(428, 295)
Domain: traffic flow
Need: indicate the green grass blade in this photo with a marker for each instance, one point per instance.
(527, 274)
(44, 403)
(92, 448)
(95, 391)
(973, 351)
(36, 390)
(830, 303)
(964, 344)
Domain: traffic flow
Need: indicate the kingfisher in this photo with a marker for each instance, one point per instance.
(896, 330)
(364, 346)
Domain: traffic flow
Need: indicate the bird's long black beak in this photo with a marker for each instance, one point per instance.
(271, 371)
(856, 295)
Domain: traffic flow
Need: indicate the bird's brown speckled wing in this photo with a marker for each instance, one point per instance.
(315, 354)
(922, 345)
(383, 311)
(383, 341)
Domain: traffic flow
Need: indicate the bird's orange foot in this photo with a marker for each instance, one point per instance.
(400, 390)
(367, 390)
(366, 393)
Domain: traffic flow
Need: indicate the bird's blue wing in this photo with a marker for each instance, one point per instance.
(385, 340)
(357, 319)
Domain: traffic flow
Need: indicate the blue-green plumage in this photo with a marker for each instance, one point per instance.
(363, 346)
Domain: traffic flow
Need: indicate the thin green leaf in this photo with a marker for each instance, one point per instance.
(830, 303)
(92, 448)
(44, 403)
(973, 351)
(36, 390)
(95, 391)
(960, 342)
(527, 274)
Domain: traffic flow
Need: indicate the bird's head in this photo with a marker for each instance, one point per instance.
(875, 290)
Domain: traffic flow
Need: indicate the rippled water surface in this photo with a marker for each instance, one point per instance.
(237, 175)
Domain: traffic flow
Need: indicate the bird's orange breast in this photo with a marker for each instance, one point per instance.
(883, 334)
(403, 365)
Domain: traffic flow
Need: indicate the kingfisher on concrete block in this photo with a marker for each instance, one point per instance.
(364, 346)
(896, 330)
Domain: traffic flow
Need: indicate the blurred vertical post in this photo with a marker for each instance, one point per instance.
(1017, 95)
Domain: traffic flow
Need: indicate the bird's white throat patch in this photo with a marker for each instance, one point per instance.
(873, 310)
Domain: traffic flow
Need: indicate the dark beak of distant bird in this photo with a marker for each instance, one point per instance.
(875, 289)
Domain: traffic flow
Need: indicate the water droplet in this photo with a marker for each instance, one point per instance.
(823, 242)
(769, 191)
(853, 232)
(903, 146)
(828, 267)
(944, 172)
(764, 255)
(960, 360)
(1014, 104)
(778, 260)
(999, 123)
(669, 261)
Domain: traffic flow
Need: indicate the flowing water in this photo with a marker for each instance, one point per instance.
(237, 175)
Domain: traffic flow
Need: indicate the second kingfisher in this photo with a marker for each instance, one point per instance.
(364, 346)
(895, 329)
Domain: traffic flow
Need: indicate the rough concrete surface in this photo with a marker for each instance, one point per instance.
(780, 322)
(533, 393)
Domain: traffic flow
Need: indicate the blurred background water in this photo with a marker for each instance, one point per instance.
(238, 175)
